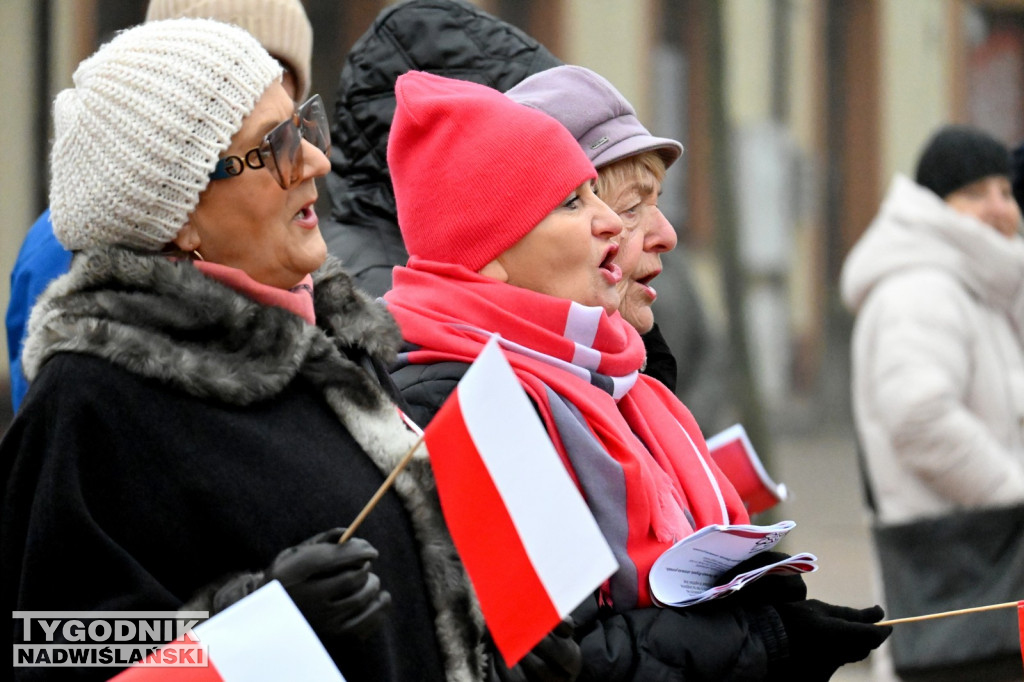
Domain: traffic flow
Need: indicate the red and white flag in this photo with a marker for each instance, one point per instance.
(531, 547)
(261, 637)
(734, 454)
(1020, 625)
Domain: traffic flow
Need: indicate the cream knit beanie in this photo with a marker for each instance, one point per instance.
(280, 25)
(136, 138)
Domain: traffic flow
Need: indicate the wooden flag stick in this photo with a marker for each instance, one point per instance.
(944, 614)
(380, 491)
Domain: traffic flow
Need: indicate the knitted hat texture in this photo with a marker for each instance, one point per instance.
(281, 26)
(474, 171)
(596, 114)
(138, 135)
(958, 155)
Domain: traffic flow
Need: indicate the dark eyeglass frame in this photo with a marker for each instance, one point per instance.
(280, 151)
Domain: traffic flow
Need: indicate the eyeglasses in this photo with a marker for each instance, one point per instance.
(281, 148)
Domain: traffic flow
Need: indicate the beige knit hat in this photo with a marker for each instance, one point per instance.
(280, 25)
(136, 138)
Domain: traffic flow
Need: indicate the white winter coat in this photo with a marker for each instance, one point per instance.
(938, 358)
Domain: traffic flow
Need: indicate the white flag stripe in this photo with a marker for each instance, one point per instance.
(559, 533)
(265, 637)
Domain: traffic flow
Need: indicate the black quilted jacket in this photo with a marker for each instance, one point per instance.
(447, 37)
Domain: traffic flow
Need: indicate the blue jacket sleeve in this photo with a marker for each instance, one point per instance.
(40, 260)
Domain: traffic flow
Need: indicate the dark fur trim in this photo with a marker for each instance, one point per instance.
(354, 320)
(167, 321)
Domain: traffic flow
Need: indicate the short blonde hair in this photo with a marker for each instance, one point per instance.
(639, 168)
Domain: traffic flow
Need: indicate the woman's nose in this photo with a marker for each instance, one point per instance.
(315, 163)
(606, 222)
(659, 235)
(999, 206)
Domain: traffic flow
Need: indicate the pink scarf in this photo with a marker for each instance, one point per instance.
(635, 451)
(297, 300)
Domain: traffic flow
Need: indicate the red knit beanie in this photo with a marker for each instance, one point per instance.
(474, 171)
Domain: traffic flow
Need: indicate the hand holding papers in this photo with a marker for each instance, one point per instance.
(687, 572)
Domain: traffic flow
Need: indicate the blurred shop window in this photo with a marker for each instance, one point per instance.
(994, 70)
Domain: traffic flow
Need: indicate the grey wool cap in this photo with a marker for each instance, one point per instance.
(597, 115)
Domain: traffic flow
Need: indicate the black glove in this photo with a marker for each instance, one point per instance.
(331, 584)
(823, 637)
(556, 658)
(774, 588)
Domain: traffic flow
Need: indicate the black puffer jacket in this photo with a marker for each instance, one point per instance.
(447, 37)
(727, 640)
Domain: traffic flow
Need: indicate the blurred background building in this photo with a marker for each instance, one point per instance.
(795, 114)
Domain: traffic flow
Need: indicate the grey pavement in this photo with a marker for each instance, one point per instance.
(816, 459)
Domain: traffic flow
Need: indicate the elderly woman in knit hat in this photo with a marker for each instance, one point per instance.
(937, 285)
(507, 239)
(281, 26)
(205, 408)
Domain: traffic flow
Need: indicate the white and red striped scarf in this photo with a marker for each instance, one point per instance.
(634, 450)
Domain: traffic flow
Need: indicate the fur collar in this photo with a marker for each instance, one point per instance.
(165, 320)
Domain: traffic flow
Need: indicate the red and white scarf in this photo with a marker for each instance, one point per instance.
(634, 450)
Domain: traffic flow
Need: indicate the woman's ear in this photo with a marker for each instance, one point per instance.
(187, 238)
(494, 270)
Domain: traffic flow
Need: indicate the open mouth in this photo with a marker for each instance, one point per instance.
(612, 272)
(645, 282)
(306, 217)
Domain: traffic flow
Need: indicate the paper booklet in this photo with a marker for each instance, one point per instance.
(735, 456)
(687, 572)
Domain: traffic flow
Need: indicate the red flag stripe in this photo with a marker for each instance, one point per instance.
(1020, 621)
(151, 673)
(486, 538)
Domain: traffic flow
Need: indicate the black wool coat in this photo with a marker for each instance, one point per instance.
(448, 37)
(176, 432)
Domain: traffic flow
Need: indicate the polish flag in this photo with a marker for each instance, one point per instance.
(531, 547)
(734, 454)
(261, 637)
(1020, 625)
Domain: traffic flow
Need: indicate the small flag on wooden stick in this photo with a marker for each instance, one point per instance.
(976, 609)
(1020, 626)
(531, 547)
(947, 614)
